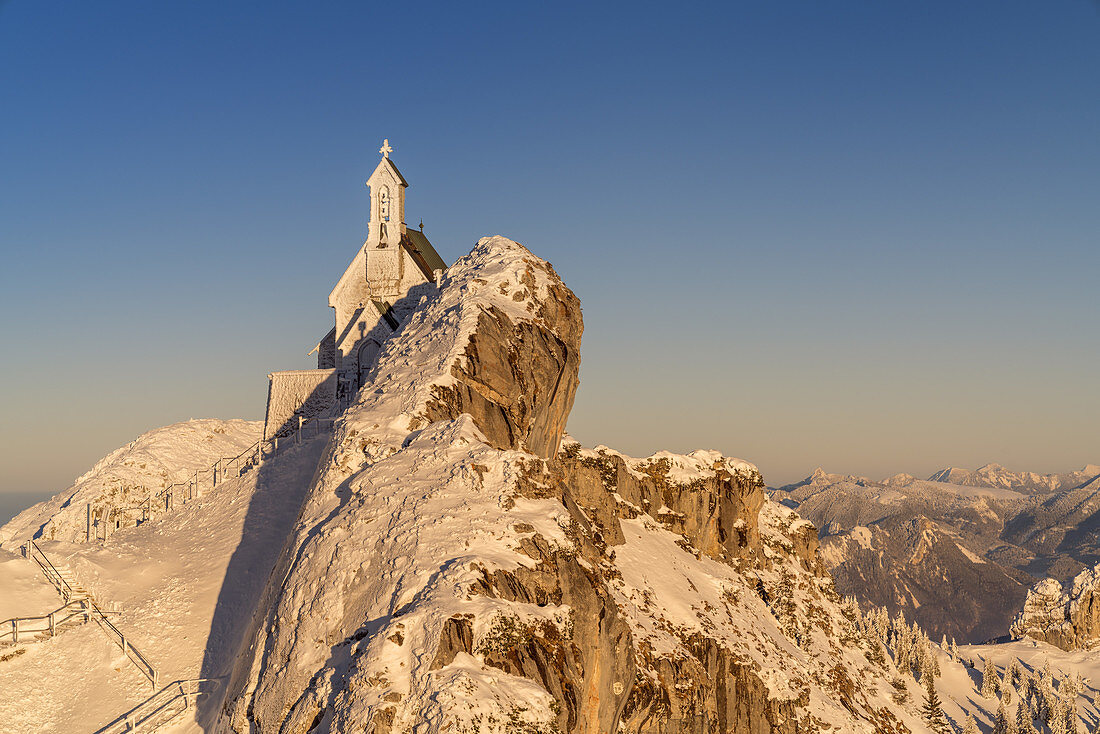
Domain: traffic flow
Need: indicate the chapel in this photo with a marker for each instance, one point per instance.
(377, 291)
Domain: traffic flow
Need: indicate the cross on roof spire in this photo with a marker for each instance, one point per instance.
(385, 150)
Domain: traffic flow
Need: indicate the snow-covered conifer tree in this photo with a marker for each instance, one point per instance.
(932, 710)
(971, 726)
(1024, 723)
(1069, 689)
(1071, 717)
(1049, 704)
(1005, 724)
(1057, 721)
(1012, 674)
(990, 683)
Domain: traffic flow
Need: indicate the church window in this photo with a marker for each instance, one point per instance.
(384, 204)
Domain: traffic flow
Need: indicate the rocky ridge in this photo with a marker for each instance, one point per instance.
(456, 566)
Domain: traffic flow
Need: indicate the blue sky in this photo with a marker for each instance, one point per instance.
(851, 234)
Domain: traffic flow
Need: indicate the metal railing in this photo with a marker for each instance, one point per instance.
(128, 648)
(31, 550)
(16, 627)
(67, 592)
(230, 467)
(160, 708)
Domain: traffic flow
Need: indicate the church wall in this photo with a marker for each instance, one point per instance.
(326, 352)
(368, 325)
(412, 274)
(307, 393)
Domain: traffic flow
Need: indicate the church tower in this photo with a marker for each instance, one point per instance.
(385, 265)
(370, 301)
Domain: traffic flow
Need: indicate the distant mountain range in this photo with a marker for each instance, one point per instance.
(957, 551)
(995, 475)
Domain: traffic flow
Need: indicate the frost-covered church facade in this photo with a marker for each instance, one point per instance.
(370, 300)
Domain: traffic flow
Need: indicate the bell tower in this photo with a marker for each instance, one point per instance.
(387, 227)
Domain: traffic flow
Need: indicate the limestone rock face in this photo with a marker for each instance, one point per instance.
(710, 500)
(457, 567)
(1069, 619)
(518, 378)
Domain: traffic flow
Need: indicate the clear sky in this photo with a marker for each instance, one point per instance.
(861, 235)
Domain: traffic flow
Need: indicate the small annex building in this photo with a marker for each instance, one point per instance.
(386, 278)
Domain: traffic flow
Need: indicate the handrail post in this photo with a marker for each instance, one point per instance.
(15, 630)
(53, 627)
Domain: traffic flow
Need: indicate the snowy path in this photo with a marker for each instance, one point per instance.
(68, 684)
(25, 592)
(186, 582)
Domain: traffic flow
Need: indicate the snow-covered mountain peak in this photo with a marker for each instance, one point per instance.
(419, 376)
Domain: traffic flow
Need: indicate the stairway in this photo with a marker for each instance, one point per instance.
(77, 591)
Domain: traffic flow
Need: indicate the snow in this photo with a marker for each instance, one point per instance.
(404, 519)
(971, 555)
(682, 469)
(419, 528)
(75, 682)
(186, 583)
(1033, 656)
(472, 697)
(669, 594)
(685, 469)
(862, 536)
(26, 593)
(129, 475)
(498, 273)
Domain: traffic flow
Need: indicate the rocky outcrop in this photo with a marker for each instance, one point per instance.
(1068, 619)
(711, 500)
(455, 568)
(518, 377)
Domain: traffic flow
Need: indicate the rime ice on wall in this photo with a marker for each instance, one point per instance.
(294, 393)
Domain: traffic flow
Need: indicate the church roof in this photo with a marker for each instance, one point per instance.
(423, 253)
(386, 162)
(399, 176)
